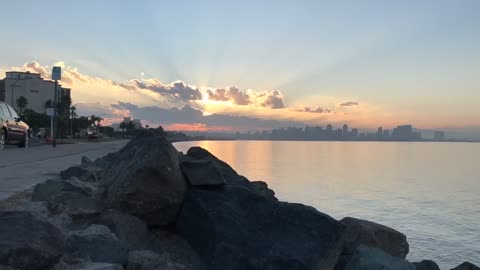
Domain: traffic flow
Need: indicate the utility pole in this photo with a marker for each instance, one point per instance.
(56, 75)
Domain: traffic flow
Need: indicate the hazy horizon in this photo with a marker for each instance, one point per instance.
(250, 65)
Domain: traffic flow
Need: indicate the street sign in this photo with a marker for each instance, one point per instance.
(56, 73)
(50, 111)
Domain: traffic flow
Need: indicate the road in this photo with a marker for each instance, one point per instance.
(22, 168)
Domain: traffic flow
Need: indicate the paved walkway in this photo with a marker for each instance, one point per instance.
(22, 168)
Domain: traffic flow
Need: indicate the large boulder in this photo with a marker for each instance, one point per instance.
(96, 243)
(229, 174)
(145, 180)
(369, 258)
(373, 235)
(45, 191)
(27, 242)
(466, 266)
(202, 172)
(149, 260)
(236, 228)
(426, 265)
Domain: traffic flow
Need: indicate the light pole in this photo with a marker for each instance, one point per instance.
(56, 75)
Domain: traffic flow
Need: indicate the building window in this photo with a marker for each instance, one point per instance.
(35, 91)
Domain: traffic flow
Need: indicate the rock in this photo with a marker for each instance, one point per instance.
(27, 242)
(98, 244)
(229, 174)
(426, 265)
(369, 258)
(235, 228)
(144, 179)
(466, 266)
(129, 229)
(178, 249)
(46, 190)
(373, 235)
(97, 266)
(74, 171)
(81, 210)
(202, 173)
(2, 267)
(149, 260)
(86, 161)
(262, 189)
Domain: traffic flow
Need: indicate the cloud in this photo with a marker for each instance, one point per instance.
(349, 103)
(188, 116)
(313, 110)
(177, 91)
(267, 99)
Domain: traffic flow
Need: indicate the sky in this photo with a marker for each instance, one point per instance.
(257, 64)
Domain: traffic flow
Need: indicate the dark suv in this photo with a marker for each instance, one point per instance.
(12, 129)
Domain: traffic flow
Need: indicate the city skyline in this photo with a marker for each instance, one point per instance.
(370, 65)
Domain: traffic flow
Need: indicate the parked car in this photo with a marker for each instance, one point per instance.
(12, 128)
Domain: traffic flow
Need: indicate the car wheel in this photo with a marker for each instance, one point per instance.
(2, 139)
(26, 141)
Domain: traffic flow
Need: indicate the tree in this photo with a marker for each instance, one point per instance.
(123, 126)
(48, 104)
(22, 103)
(36, 120)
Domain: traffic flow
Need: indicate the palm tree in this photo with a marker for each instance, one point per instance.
(22, 103)
(48, 104)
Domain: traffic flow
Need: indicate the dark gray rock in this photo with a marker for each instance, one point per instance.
(50, 188)
(74, 171)
(128, 228)
(202, 173)
(262, 189)
(368, 258)
(229, 174)
(373, 235)
(178, 249)
(426, 265)
(466, 266)
(2, 267)
(97, 244)
(236, 228)
(86, 161)
(27, 242)
(149, 260)
(144, 179)
(96, 266)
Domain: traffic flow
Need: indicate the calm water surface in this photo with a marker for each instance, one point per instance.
(428, 191)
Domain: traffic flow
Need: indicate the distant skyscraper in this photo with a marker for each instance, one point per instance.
(354, 132)
(439, 135)
(345, 130)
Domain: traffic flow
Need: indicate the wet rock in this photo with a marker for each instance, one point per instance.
(98, 244)
(202, 173)
(373, 235)
(149, 260)
(426, 265)
(368, 258)
(235, 228)
(2, 267)
(466, 266)
(27, 242)
(144, 179)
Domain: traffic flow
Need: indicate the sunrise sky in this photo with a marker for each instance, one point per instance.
(240, 65)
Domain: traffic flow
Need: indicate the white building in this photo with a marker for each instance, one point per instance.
(32, 86)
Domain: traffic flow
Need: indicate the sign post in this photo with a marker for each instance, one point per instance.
(56, 76)
(51, 113)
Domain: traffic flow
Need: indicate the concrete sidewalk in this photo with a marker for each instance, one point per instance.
(22, 168)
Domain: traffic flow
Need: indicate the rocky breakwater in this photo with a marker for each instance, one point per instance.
(150, 207)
